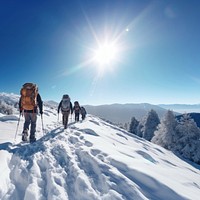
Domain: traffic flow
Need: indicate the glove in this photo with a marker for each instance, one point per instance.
(41, 112)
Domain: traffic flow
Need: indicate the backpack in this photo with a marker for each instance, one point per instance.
(29, 92)
(83, 111)
(76, 106)
(65, 106)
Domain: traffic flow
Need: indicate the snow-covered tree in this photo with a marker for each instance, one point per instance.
(126, 126)
(165, 134)
(196, 153)
(188, 138)
(182, 137)
(151, 124)
(140, 127)
(133, 126)
(148, 125)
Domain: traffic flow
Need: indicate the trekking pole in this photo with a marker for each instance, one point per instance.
(58, 118)
(17, 126)
(71, 118)
(42, 125)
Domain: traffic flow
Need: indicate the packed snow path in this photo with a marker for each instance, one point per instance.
(94, 160)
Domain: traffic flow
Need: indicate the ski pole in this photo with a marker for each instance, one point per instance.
(42, 125)
(17, 126)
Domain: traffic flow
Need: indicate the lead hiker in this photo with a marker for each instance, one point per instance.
(66, 106)
(29, 102)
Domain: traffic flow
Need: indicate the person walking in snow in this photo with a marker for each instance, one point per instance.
(77, 110)
(29, 102)
(66, 106)
(83, 113)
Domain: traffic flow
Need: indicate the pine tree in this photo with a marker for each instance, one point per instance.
(151, 124)
(148, 125)
(187, 138)
(133, 126)
(140, 128)
(166, 132)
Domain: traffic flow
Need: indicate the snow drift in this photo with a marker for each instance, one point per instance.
(90, 160)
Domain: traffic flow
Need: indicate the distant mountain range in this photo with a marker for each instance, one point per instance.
(182, 108)
(119, 113)
(122, 113)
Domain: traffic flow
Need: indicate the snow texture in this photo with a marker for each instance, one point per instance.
(90, 160)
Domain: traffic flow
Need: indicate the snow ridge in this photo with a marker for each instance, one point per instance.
(93, 160)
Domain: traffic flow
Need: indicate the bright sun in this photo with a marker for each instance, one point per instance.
(105, 54)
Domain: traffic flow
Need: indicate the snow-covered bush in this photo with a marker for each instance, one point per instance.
(5, 108)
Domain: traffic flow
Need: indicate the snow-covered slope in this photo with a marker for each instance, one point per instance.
(90, 160)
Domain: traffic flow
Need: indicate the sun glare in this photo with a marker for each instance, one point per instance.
(105, 53)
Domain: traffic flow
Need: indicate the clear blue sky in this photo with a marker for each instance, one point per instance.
(53, 43)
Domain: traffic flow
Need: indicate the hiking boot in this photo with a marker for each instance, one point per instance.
(25, 135)
(32, 139)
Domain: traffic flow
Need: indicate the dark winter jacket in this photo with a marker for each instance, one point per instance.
(83, 111)
(77, 109)
(60, 104)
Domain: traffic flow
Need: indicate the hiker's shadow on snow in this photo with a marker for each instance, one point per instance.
(5, 146)
(26, 151)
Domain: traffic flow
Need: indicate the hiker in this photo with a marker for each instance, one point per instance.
(29, 102)
(77, 110)
(66, 106)
(83, 113)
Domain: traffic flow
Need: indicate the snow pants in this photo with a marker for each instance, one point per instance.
(65, 118)
(30, 118)
(77, 116)
(83, 116)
